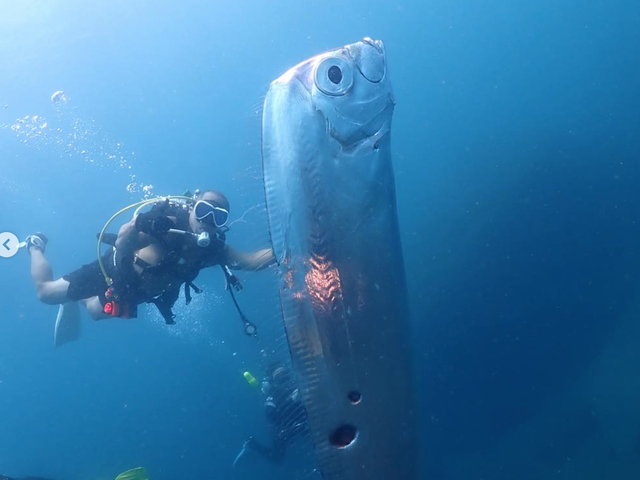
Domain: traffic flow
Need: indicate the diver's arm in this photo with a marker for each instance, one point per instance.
(259, 260)
(141, 230)
(130, 240)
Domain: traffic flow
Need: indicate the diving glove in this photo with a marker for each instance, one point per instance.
(153, 223)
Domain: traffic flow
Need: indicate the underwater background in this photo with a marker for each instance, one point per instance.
(515, 141)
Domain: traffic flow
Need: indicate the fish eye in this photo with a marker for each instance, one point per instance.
(334, 76)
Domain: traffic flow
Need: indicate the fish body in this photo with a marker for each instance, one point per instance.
(331, 206)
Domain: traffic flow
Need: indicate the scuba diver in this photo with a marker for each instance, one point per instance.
(285, 414)
(151, 257)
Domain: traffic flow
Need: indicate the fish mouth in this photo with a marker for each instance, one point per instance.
(369, 57)
(377, 44)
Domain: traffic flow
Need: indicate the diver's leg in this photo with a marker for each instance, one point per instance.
(257, 447)
(50, 291)
(274, 454)
(277, 451)
(94, 307)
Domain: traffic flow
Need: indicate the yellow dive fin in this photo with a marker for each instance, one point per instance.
(251, 380)
(137, 473)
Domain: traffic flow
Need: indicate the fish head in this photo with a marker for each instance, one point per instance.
(350, 88)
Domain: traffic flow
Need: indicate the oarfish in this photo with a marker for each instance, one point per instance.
(331, 206)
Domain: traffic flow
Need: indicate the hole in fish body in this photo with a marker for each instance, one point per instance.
(343, 436)
(355, 397)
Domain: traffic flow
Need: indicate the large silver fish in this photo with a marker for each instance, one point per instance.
(331, 207)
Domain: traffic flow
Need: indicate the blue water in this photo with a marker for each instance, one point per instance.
(515, 139)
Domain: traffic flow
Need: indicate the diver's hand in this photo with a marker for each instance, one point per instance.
(153, 224)
(234, 282)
